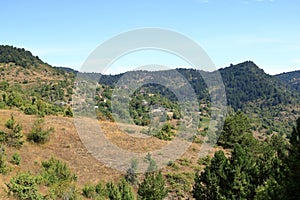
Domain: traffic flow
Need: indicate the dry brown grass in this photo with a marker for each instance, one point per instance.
(66, 145)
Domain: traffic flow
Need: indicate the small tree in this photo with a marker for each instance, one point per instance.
(166, 132)
(131, 175)
(113, 191)
(14, 134)
(38, 134)
(16, 159)
(126, 190)
(55, 171)
(235, 126)
(3, 167)
(153, 187)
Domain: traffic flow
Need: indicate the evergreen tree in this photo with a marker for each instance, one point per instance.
(235, 126)
(293, 186)
(210, 183)
(126, 190)
(14, 134)
(131, 175)
(153, 187)
(113, 191)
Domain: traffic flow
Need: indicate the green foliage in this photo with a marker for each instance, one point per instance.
(113, 191)
(291, 79)
(88, 191)
(180, 183)
(24, 186)
(57, 175)
(100, 189)
(235, 126)
(3, 166)
(293, 184)
(31, 110)
(131, 174)
(152, 166)
(38, 134)
(125, 190)
(19, 56)
(55, 171)
(153, 187)
(16, 159)
(13, 137)
(64, 190)
(255, 170)
(166, 132)
(69, 112)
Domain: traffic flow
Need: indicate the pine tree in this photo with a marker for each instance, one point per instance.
(293, 186)
(210, 183)
(131, 175)
(113, 191)
(153, 187)
(126, 190)
(14, 134)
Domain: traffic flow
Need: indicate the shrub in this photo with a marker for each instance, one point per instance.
(30, 110)
(24, 186)
(3, 167)
(88, 191)
(16, 159)
(37, 134)
(166, 132)
(14, 135)
(153, 187)
(55, 171)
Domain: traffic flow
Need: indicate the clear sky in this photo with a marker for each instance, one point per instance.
(65, 32)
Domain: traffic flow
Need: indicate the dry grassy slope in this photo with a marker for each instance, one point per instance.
(65, 144)
(17, 74)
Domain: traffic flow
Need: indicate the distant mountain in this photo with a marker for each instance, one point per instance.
(263, 97)
(292, 79)
(244, 82)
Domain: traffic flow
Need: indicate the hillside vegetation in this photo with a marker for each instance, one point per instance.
(256, 155)
(291, 78)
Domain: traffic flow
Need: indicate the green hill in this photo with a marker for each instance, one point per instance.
(262, 96)
(292, 79)
(31, 85)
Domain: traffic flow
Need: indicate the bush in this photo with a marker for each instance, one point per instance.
(37, 134)
(153, 187)
(166, 132)
(88, 191)
(30, 110)
(14, 135)
(64, 190)
(16, 159)
(3, 167)
(24, 186)
(55, 171)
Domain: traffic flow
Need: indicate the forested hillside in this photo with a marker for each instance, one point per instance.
(256, 156)
(291, 78)
(32, 85)
(262, 96)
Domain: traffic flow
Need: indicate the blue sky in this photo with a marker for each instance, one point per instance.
(65, 32)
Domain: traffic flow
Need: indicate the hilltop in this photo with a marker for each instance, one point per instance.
(30, 84)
